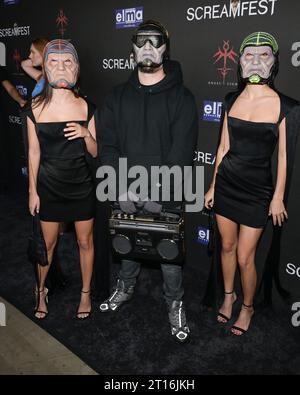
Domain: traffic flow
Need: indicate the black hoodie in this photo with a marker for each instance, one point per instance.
(149, 125)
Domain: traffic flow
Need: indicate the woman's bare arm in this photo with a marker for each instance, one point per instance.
(33, 156)
(222, 149)
(90, 139)
(277, 209)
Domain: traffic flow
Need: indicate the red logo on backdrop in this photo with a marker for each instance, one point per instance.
(61, 22)
(225, 55)
(17, 59)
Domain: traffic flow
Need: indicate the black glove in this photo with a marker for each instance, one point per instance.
(152, 207)
(127, 206)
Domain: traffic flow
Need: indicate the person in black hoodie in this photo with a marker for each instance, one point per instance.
(151, 120)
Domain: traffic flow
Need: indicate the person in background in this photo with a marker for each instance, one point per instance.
(33, 65)
(10, 88)
(4, 156)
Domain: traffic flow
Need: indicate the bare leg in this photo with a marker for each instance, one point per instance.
(229, 235)
(84, 232)
(50, 233)
(248, 239)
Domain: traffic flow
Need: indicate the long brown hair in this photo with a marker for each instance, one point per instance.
(39, 44)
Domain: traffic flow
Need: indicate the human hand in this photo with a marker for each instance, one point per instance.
(209, 198)
(34, 203)
(278, 211)
(75, 131)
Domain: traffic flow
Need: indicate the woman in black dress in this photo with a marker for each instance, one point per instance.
(242, 192)
(62, 139)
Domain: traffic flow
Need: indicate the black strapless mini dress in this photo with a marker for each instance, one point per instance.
(65, 181)
(244, 186)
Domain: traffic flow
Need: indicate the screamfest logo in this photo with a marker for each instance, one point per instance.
(117, 64)
(15, 31)
(14, 119)
(231, 9)
(62, 22)
(204, 158)
(225, 58)
(293, 270)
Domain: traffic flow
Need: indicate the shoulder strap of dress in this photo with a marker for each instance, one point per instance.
(230, 98)
(91, 109)
(286, 105)
(27, 111)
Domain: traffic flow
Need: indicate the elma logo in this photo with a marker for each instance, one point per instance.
(203, 235)
(24, 171)
(2, 54)
(22, 90)
(129, 17)
(11, 2)
(296, 55)
(212, 111)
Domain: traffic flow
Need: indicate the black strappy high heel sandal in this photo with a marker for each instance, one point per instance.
(84, 312)
(38, 296)
(237, 328)
(223, 315)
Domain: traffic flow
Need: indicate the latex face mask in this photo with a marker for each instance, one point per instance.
(61, 64)
(258, 52)
(257, 63)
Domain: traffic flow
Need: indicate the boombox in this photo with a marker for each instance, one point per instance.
(148, 237)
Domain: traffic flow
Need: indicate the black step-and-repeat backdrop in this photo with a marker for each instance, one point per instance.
(205, 38)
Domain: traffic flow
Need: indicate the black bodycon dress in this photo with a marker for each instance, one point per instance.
(65, 181)
(244, 186)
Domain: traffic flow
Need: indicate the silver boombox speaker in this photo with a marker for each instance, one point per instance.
(148, 237)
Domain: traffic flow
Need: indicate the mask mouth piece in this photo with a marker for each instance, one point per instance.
(255, 79)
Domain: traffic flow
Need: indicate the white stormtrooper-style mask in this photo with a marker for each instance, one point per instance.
(149, 48)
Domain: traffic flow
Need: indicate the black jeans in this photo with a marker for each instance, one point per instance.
(172, 275)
